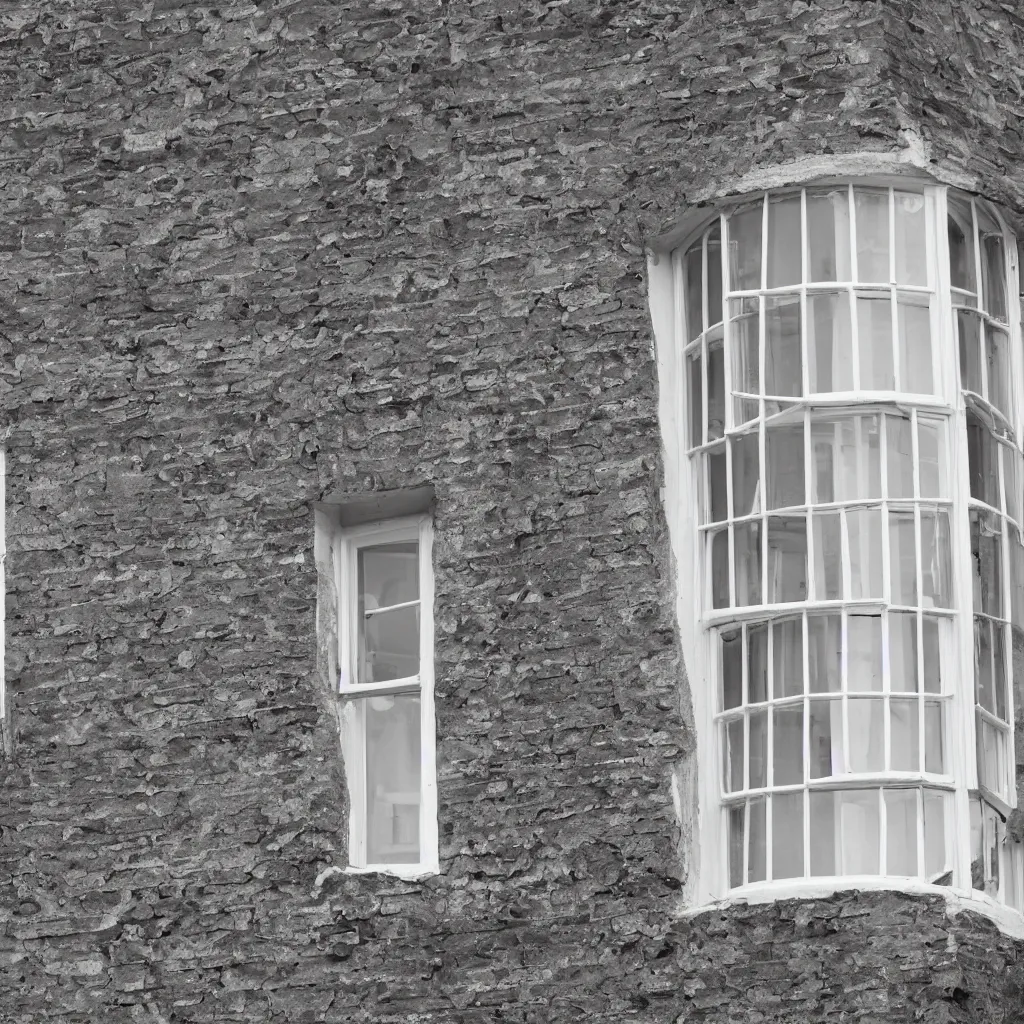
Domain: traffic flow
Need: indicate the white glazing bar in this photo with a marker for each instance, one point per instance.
(852, 296)
(369, 612)
(805, 372)
(919, 616)
(728, 341)
(893, 305)
(844, 640)
(704, 321)
(883, 830)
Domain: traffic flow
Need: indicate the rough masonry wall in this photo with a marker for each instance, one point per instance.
(259, 252)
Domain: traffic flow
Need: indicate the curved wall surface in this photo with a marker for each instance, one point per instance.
(256, 254)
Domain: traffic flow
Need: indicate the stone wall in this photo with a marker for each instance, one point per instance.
(255, 253)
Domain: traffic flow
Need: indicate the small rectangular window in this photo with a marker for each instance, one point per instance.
(385, 633)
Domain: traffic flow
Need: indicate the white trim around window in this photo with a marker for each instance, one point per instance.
(384, 580)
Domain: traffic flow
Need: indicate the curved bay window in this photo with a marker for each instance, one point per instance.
(853, 381)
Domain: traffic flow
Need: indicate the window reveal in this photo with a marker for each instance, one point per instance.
(824, 431)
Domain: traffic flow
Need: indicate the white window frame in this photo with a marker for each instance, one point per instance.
(345, 544)
(709, 883)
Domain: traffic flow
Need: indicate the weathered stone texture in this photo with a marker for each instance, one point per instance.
(254, 253)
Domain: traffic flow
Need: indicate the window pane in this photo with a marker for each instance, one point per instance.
(915, 344)
(757, 762)
(785, 453)
(718, 496)
(984, 675)
(746, 461)
(1011, 481)
(716, 390)
(788, 835)
(824, 653)
(936, 864)
(901, 832)
(744, 343)
(787, 559)
(992, 742)
(847, 462)
(902, 558)
(757, 663)
(715, 275)
(389, 645)
(905, 735)
(732, 668)
(784, 244)
(986, 562)
(736, 816)
(968, 329)
(982, 464)
(899, 453)
(828, 234)
(388, 574)
(911, 247)
(788, 745)
(961, 245)
(1000, 670)
(829, 342)
(864, 529)
(993, 264)
(903, 651)
(826, 738)
(864, 652)
(936, 571)
(392, 779)
(388, 641)
(872, 214)
(867, 734)
(745, 248)
(823, 833)
(757, 845)
(934, 746)
(693, 272)
(787, 658)
(931, 448)
(734, 749)
(932, 654)
(719, 541)
(828, 556)
(874, 333)
(693, 370)
(782, 363)
(997, 350)
(858, 813)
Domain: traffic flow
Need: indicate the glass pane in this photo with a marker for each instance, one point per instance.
(968, 329)
(784, 244)
(847, 462)
(718, 496)
(758, 847)
(867, 734)
(389, 645)
(901, 832)
(747, 544)
(1011, 481)
(1017, 589)
(719, 541)
(787, 658)
(858, 813)
(904, 735)
(787, 559)
(757, 763)
(734, 748)
(997, 350)
(736, 816)
(828, 234)
(693, 370)
(993, 264)
(992, 742)
(745, 248)
(826, 738)
(828, 556)
(757, 663)
(931, 448)
(902, 558)
(783, 373)
(392, 779)
(824, 829)
(824, 653)
(746, 494)
(388, 641)
(715, 275)
(1000, 670)
(987, 562)
(982, 461)
(788, 744)
(785, 453)
(934, 747)
(915, 344)
(744, 342)
(961, 245)
(936, 570)
(864, 652)
(788, 835)
(864, 530)
(899, 453)
(388, 574)
(903, 651)
(936, 864)
(911, 247)
(874, 334)
(716, 390)
(984, 683)
(693, 264)
(872, 214)
(932, 654)
(829, 342)
(732, 668)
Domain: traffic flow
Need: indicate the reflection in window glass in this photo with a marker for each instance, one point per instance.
(746, 463)
(785, 452)
(714, 296)
(787, 559)
(874, 334)
(915, 344)
(829, 342)
(747, 539)
(904, 735)
(961, 246)
(902, 558)
(903, 651)
(732, 668)
(824, 653)
(864, 532)
(784, 245)
(867, 734)
(828, 561)
(745, 248)
(693, 264)
(783, 366)
(788, 835)
(911, 247)
(901, 832)
(828, 235)
(788, 658)
(899, 454)
(864, 652)
(871, 210)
